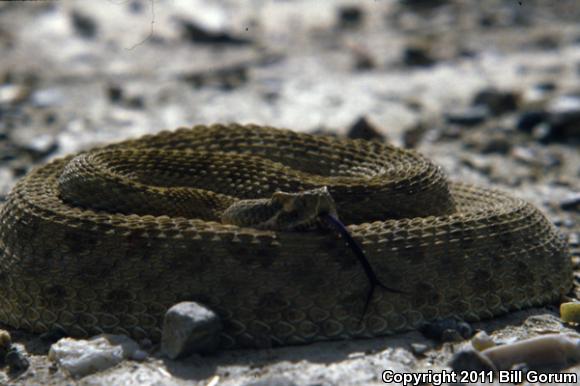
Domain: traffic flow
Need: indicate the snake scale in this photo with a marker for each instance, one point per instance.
(107, 240)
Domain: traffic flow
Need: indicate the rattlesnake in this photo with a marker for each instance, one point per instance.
(109, 239)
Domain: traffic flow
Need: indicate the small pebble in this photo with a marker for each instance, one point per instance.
(16, 361)
(135, 6)
(571, 203)
(419, 349)
(530, 119)
(135, 102)
(350, 17)
(146, 344)
(424, 3)
(482, 341)
(5, 345)
(362, 129)
(470, 360)
(5, 340)
(547, 41)
(139, 355)
(53, 335)
(418, 54)
(524, 155)
(496, 101)
(115, 93)
(443, 329)
(534, 99)
(450, 335)
(190, 328)
(542, 132)
(41, 146)
(574, 240)
(481, 164)
(496, 144)
(469, 116)
(363, 60)
(570, 312)
(224, 78)
(84, 25)
(564, 119)
(565, 104)
(13, 94)
(47, 97)
(546, 86)
(200, 35)
(413, 136)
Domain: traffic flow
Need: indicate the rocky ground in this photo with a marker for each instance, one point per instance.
(489, 90)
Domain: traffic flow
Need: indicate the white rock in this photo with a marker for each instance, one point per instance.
(83, 357)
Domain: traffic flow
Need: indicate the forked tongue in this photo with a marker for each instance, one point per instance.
(374, 281)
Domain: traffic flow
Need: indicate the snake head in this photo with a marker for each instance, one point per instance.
(302, 210)
(283, 211)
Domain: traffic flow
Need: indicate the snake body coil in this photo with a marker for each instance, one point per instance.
(107, 240)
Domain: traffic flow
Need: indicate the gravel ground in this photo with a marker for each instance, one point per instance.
(489, 90)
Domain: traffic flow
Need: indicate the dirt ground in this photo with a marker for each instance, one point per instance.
(490, 90)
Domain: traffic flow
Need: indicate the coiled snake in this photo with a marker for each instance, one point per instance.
(108, 239)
